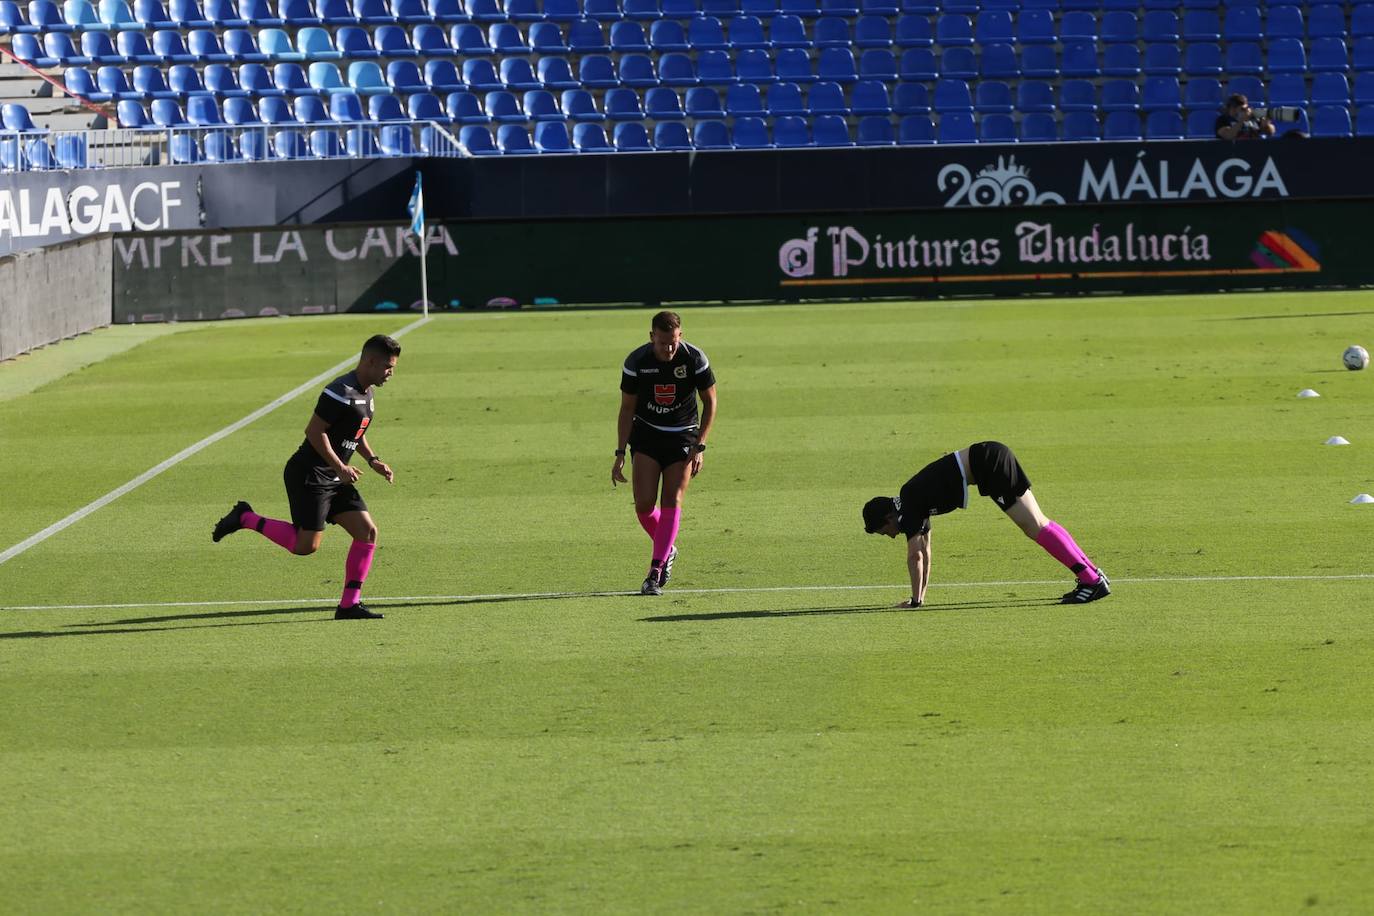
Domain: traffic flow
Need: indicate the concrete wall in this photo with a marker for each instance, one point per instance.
(53, 293)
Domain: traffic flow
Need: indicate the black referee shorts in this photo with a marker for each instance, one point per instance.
(664, 447)
(998, 473)
(315, 505)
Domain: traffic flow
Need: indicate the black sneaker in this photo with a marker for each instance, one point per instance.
(1085, 593)
(651, 586)
(667, 572)
(357, 611)
(230, 523)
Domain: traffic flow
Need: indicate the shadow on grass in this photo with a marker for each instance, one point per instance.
(1305, 315)
(114, 627)
(862, 609)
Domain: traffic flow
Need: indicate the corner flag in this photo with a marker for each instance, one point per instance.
(416, 207)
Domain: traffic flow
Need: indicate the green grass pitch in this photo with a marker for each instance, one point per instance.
(769, 735)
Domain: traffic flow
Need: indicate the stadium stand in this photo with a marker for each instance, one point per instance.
(746, 75)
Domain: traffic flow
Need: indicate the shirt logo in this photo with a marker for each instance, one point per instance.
(680, 372)
(363, 428)
(665, 394)
(648, 371)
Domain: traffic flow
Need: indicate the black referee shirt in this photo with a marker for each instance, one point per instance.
(347, 408)
(937, 488)
(667, 392)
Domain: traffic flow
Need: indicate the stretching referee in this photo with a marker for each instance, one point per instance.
(319, 481)
(942, 486)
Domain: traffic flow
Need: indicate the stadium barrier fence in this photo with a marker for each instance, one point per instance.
(49, 295)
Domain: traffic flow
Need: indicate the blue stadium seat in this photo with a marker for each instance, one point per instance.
(1120, 95)
(364, 77)
(750, 133)
(202, 110)
(996, 128)
(1035, 27)
(309, 109)
(539, 105)
(1161, 93)
(12, 21)
(337, 12)
(830, 33)
(623, 104)
(254, 146)
(1362, 20)
(595, 71)
(324, 144)
(275, 110)
(252, 12)
(1327, 55)
(953, 30)
(790, 132)
(1164, 125)
(1202, 59)
(579, 105)
(552, 137)
(1244, 57)
(585, 37)
(186, 14)
(343, 107)
(394, 41)
(476, 141)
(1248, 86)
(631, 136)
(148, 80)
(958, 64)
(872, 32)
(605, 10)
(516, 74)
(554, 73)
(59, 47)
(1121, 125)
(805, 8)
(1162, 60)
(874, 132)
(664, 35)
(952, 95)
(290, 144)
(704, 102)
(913, 31)
(220, 147)
(915, 130)
(918, 66)
(993, 97)
(837, 65)
(663, 104)
(1202, 94)
(744, 32)
(845, 8)
(1201, 125)
(710, 135)
(410, 12)
(1077, 95)
(827, 98)
(385, 108)
(375, 12)
(785, 99)
(1078, 25)
(1201, 25)
(132, 47)
(1035, 96)
(224, 13)
(478, 73)
(355, 42)
(241, 47)
(468, 40)
(754, 66)
(131, 115)
(1039, 127)
(668, 136)
(403, 77)
(167, 113)
(112, 82)
(97, 46)
(547, 38)
(1081, 126)
(1364, 121)
(276, 44)
(705, 33)
(957, 127)
(794, 66)
(47, 16)
(998, 61)
(590, 138)
(257, 81)
(82, 16)
(185, 150)
(1363, 57)
(680, 9)
(442, 77)
(562, 10)
(870, 97)
(790, 32)
(185, 81)
(1121, 60)
(644, 10)
(1287, 22)
(15, 116)
(1039, 62)
(1331, 121)
(675, 69)
(203, 46)
(1242, 23)
(294, 12)
(1287, 89)
(993, 26)
(1079, 59)
(713, 69)
(1286, 56)
(238, 111)
(80, 82)
(830, 131)
(28, 47)
(464, 107)
(1119, 26)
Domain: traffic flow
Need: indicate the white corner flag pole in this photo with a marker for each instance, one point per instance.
(417, 226)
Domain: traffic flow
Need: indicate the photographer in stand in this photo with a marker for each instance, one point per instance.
(1238, 121)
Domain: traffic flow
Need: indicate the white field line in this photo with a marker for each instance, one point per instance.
(535, 596)
(189, 451)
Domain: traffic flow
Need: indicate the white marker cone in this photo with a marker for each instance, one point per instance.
(1363, 499)
(1308, 393)
(1338, 440)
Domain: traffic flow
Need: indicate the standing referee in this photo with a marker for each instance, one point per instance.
(658, 420)
(319, 481)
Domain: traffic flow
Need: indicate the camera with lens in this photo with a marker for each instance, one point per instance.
(1277, 114)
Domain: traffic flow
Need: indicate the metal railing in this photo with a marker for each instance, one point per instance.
(121, 148)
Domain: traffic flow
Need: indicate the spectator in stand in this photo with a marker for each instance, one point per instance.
(1237, 121)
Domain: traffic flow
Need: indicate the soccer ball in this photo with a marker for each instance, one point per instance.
(1355, 357)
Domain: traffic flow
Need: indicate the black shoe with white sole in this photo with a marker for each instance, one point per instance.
(666, 573)
(230, 523)
(1085, 593)
(357, 611)
(651, 586)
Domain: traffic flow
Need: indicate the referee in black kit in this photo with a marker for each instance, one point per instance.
(942, 486)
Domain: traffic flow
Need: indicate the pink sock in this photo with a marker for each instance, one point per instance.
(668, 522)
(356, 567)
(649, 521)
(1060, 545)
(275, 530)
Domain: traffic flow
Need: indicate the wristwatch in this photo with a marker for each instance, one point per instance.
(699, 447)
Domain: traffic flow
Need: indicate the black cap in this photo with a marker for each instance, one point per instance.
(876, 511)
